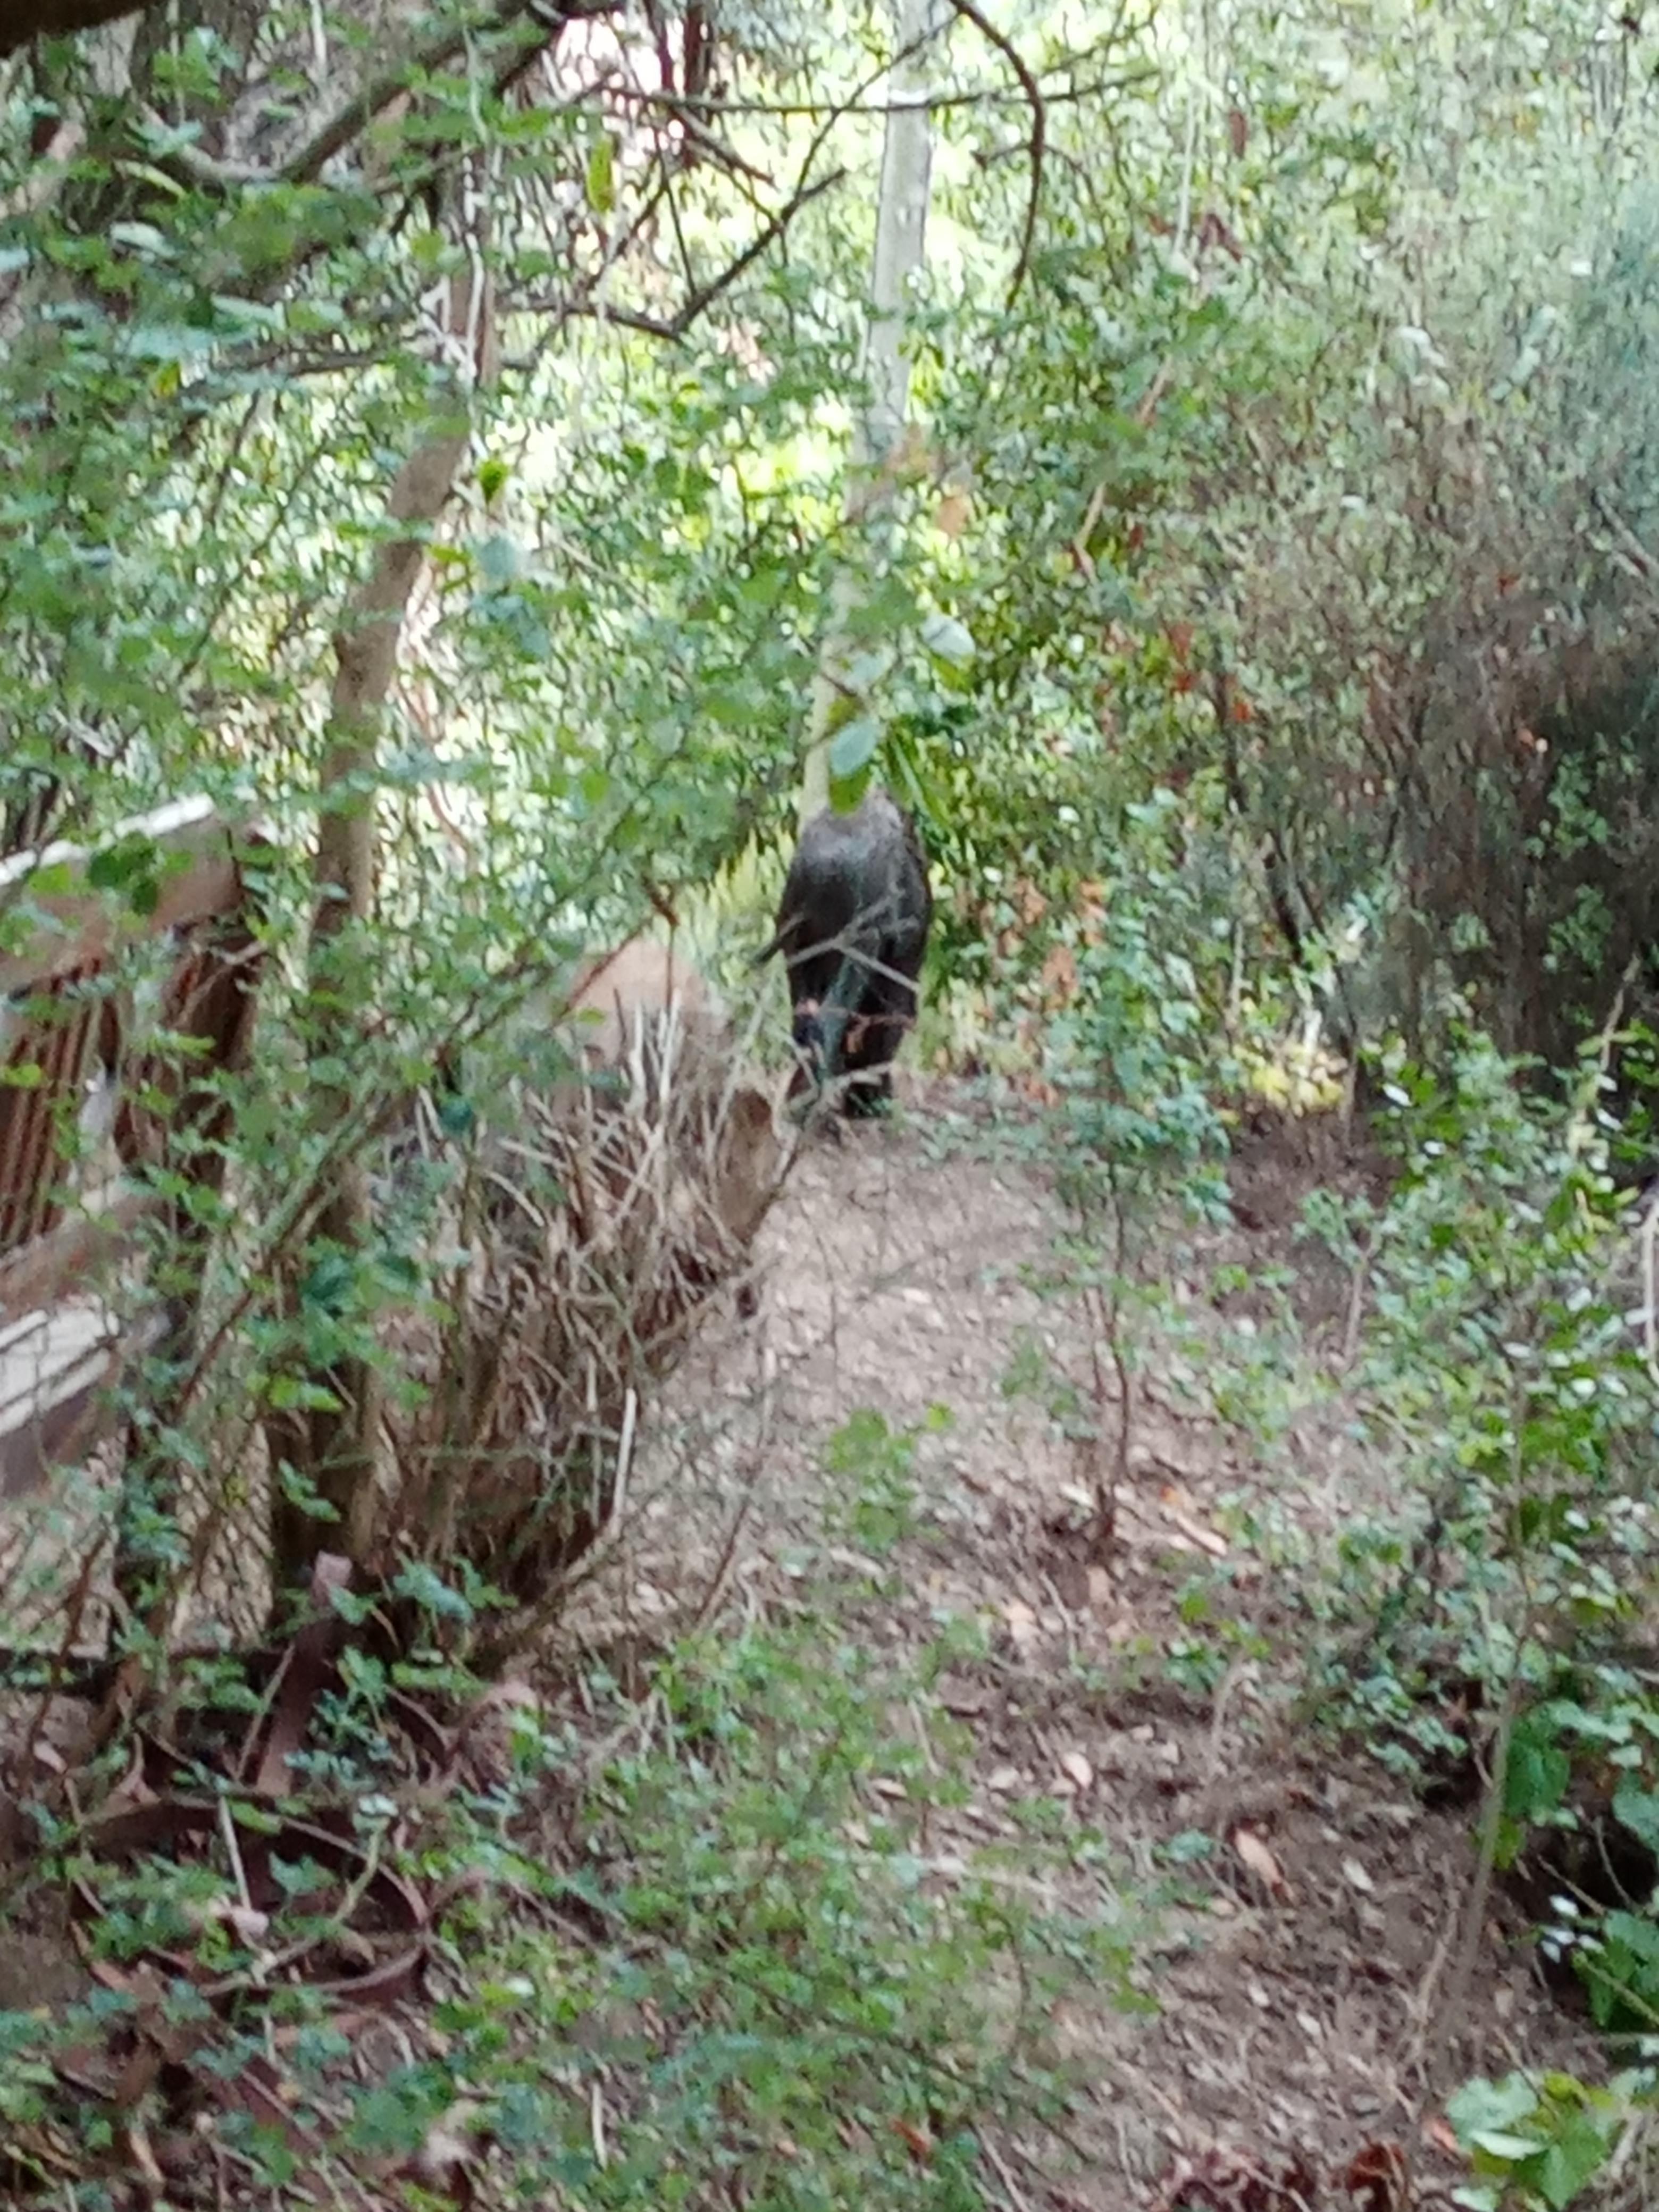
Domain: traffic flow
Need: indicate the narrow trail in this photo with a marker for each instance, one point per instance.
(1301, 1960)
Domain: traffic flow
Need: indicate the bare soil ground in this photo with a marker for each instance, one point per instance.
(1306, 1972)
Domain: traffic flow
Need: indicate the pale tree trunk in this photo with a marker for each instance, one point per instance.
(878, 433)
(335, 1447)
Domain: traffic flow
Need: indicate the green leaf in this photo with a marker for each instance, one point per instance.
(328, 1282)
(1191, 1845)
(600, 177)
(1573, 2160)
(291, 1392)
(250, 314)
(456, 1117)
(141, 237)
(499, 559)
(428, 1589)
(130, 867)
(176, 342)
(1638, 1811)
(1481, 2105)
(1512, 2148)
(1538, 1773)
(854, 748)
(948, 641)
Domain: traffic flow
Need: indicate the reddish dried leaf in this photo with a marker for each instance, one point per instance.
(1059, 973)
(1213, 231)
(1028, 902)
(916, 2141)
(1230, 2181)
(1377, 2178)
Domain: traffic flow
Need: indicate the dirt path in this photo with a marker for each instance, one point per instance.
(1303, 1964)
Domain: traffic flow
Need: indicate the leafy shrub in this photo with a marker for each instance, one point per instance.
(725, 1933)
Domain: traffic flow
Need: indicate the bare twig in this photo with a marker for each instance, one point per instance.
(1005, 45)
(307, 163)
(721, 1581)
(699, 301)
(1355, 1321)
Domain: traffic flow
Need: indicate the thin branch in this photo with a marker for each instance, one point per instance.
(171, 151)
(702, 139)
(654, 326)
(704, 298)
(1005, 45)
(338, 133)
(986, 95)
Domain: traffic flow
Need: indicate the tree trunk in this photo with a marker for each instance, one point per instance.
(333, 1447)
(901, 246)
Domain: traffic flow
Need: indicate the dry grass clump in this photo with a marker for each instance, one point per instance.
(596, 1223)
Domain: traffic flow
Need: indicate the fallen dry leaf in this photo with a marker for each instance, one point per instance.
(1059, 973)
(143, 2160)
(1073, 1764)
(915, 2140)
(1028, 902)
(443, 2166)
(1259, 1859)
(1377, 2179)
(1441, 2133)
(1206, 1539)
(1022, 1620)
(1358, 1876)
(1232, 2181)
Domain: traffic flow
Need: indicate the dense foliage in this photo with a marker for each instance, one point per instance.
(426, 433)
